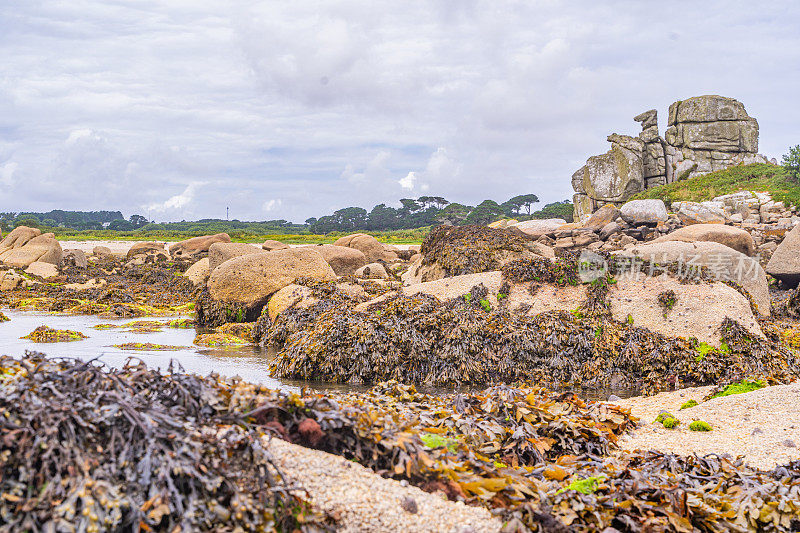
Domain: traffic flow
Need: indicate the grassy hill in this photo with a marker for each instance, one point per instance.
(758, 178)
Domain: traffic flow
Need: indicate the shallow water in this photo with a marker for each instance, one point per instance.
(251, 363)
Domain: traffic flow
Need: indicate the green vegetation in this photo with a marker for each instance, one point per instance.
(486, 304)
(584, 486)
(663, 416)
(670, 423)
(434, 440)
(760, 177)
(699, 425)
(740, 388)
(704, 349)
(149, 346)
(791, 162)
(46, 334)
(689, 404)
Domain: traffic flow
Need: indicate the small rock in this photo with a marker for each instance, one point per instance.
(614, 398)
(789, 443)
(757, 431)
(409, 505)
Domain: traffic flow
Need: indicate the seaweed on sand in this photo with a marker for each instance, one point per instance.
(468, 249)
(86, 448)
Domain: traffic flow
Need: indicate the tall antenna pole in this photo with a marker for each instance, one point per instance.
(227, 213)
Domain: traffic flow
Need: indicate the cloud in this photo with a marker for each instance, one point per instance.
(271, 205)
(177, 202)
(329, 104)
(408, 181)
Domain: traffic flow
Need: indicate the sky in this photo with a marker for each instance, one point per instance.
(285, 110)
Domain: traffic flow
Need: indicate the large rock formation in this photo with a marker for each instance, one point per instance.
(705, 133)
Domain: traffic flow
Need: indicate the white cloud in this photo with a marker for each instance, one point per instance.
(177, 202)
(271, 205)
(408, 181)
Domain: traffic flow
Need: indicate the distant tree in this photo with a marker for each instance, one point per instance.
(351, 217)
(49, 222)
(791, 162)
(311, 221)
(485, 212)
(514, 205)
(138, 221)
(555, 210)
(27, 220)
(382, 218)
(120, 225)
(454, 214)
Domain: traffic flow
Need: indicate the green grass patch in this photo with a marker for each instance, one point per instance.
(759, 177)
(699, 425)
(740, 388)
(689, 404)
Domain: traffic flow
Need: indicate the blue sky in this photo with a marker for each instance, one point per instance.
(179, 109)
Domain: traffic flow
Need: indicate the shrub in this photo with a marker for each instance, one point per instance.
(791, 162)
(689, 404)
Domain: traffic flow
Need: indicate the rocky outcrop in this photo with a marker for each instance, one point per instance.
(28, 246)
(251, 279)
(196, 247)
(146, 248)
(785, 261)
(638, 212)
(271, 244)
(722, 263)
(736, 238)
(42, 270)
(368, 245)
(611, 177)
(74, 258)
(198, 273)
(219, 252)
(343, 260)
(372, 271)
(705, 133)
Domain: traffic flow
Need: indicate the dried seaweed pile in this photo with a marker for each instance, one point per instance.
(469, 249)
(420, 340)
(108, 289)
(90, 449)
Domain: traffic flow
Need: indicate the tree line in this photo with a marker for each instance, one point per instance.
(433, 210)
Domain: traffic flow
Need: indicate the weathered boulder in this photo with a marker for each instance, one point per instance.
(368, 245)
(289, 297)
(503, 223)
(696, 213)
(17, 238)
(644, 212)
(372, 271)
(271, 244)
(736, 238)
(75, 258)
(102, 251)
(251, 279)
(343, 260)
(457, 286)
(144, 248)
(698, 311)
(196, 246)
(43, 270)
(785, 261)
(602, 217)
(219, 252)
(723, 263)
(10, 280)
(198, 273)
(44, 248)
(537, 228)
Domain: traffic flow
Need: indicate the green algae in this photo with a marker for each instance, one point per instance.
(47, 334)
(741, 387)
(148, 346)
(689, 404)
(588, 485)
(699, 425)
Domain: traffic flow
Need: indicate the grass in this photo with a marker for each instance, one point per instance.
(689, 404)
(740, 388)
(759, 177)
(699, 425)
